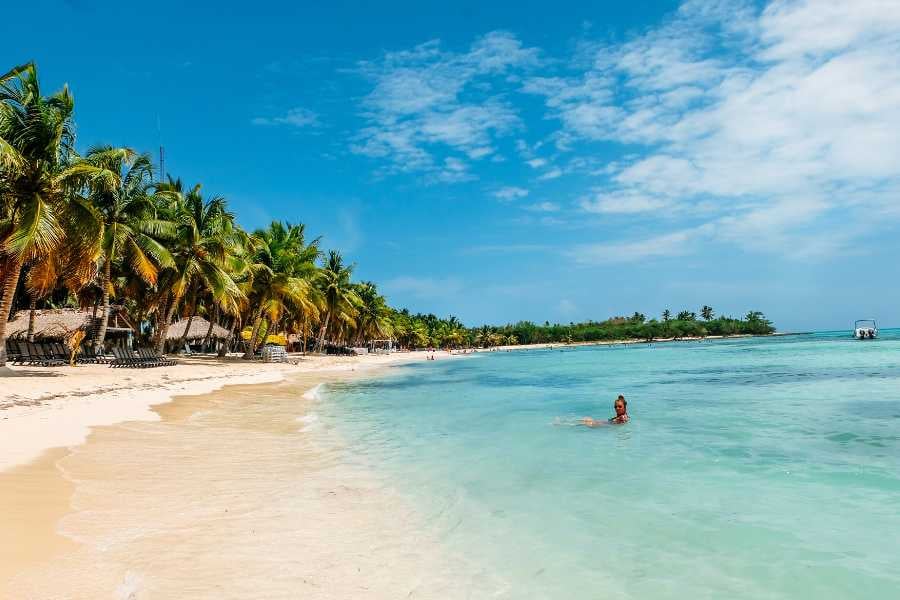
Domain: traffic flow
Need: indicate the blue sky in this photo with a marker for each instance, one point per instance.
(504, 161)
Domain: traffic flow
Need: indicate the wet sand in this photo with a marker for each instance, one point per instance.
(239, 493)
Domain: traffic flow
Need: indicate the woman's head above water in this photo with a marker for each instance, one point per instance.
(621, 408)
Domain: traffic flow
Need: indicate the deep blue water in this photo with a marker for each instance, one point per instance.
(752, 468)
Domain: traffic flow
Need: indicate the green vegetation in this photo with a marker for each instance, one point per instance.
(95, 229)
(429, 331)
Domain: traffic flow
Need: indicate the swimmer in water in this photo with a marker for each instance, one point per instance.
(621, 408)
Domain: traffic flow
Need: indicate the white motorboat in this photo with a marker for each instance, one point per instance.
(865, 329)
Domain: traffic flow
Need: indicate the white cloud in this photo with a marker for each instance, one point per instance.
(551, 174)
(510, 193)
(622, 203)
(427, 101)
(545, 207)
(295, 117)
(771, 123)
(536, 163)
(668, 245)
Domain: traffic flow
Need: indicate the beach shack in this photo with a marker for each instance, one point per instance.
(55, 324)
(200, 333)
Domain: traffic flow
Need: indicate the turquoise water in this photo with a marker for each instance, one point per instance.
(752, 468)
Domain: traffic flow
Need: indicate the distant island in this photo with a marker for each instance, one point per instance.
(428, 330)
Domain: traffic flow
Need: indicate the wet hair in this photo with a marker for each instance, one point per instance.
(624, 402)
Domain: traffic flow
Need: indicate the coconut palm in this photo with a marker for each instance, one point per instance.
(282, 267)
(37, 215)
(117, 182)
(706, 312)
(341, 299)
(205, 234)
(373, 313)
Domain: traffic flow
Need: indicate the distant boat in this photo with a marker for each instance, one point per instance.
(865, 329)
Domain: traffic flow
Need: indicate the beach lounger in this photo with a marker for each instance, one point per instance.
(23, 356)
(13, 354)
(152, 357)
(121, 358)
(38, 357)
(91, 356)
(60, 351)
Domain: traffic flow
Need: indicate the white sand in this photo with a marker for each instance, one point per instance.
(229, 494)
(50, 407)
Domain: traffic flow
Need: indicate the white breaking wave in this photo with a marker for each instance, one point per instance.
(309, 421)
(313, 393)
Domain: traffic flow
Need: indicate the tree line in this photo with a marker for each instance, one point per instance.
(89, 229)
(430, 331)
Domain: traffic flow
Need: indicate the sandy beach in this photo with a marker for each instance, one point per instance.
(110, 489)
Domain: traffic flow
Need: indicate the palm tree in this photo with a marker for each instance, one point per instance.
(666, 315)
(341, 299)
(36, 216)
(282, 267)
(706, 312)
(373, 313)
(204, 237)
(117, 181)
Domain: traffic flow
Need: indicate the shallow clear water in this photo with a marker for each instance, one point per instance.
(752, 468)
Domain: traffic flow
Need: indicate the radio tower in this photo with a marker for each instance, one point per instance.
(162, 151)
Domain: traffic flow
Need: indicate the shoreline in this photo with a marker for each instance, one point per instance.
(45, 408)
(41, 495)
(635, 341)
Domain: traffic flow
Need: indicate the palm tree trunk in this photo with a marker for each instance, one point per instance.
(31, 315)
(257, 323)
(10, 281)
(193, 306)
(187, 329)
(304, 331)
(229, 343)
(321, 344)
(104, 314)
(212, 320)
(164, 327)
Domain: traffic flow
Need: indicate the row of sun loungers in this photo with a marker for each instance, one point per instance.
(56, 355)
(28, 353)
(141, 358)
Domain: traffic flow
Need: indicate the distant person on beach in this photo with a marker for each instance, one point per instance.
(621, 408)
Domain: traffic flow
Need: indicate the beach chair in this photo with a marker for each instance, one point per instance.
(86, 356)
(94, 357)
(24, 357)
(60, 351)
(145, 359)
(121, 359)
(38, 357)
(14, 353)
(151, 356)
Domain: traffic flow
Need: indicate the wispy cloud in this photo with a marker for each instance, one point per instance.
(775, 117)
(510, 193)
(545, 207)
(428, 100)
(295, 117)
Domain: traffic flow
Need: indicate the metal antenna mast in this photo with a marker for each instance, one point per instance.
(162, 151)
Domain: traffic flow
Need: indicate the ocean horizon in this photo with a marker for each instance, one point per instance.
(761, 467)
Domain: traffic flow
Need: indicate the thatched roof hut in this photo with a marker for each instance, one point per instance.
(199, 327)
(59, 322)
